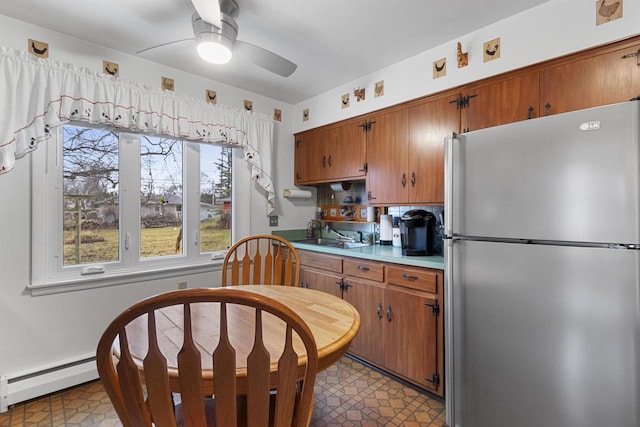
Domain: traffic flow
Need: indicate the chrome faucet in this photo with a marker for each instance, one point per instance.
(328, 229)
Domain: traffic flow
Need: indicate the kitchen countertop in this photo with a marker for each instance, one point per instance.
(374, 253)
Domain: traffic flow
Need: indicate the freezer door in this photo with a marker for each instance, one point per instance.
(569, 177)
(544, 335)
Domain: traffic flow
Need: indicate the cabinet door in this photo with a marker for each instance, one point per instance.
(346, 154)
(321, 281)
(309, 149)
(387, 155)
(607, 78)
(411, 316)
(429, 124)
(501, 102)
(367, 298)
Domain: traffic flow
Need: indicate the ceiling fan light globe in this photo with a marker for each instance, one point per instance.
(214, 52)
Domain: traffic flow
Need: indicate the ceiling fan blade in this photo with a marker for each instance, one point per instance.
(209, 11)
(164, 44)
(265, 58)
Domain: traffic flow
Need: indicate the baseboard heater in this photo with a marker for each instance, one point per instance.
(46, 379)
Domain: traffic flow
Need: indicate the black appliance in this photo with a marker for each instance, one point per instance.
(417, 228)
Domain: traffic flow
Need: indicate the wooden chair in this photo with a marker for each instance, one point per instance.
(141, 392)
(261, 260)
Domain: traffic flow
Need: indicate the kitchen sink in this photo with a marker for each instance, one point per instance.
(333, 243)
(352, 245)
(320, 242)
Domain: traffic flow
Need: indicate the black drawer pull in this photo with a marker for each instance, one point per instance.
(379, 310)
(406, 276)
(363, 268)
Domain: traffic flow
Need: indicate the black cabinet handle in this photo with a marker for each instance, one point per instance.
(324, 161)
(329, 160)
(406, 276)
(363, 268)
(530, 113)
(413, 179)
(404, 180)
(389, 314)
(379, 310)
(547, 109)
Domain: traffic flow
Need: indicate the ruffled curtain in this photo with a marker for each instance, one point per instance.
(39, 94)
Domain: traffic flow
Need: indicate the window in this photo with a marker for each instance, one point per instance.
(114, 204)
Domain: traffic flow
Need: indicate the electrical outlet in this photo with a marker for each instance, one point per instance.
(182, 285)
(273, 221)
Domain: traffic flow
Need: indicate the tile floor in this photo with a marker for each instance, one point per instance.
(347, 394)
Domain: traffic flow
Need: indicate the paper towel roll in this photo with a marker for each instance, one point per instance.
(371, 214)
(340, 186)
(296, 194)
(386, 231)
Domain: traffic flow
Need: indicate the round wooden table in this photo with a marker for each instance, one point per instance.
(333, 322)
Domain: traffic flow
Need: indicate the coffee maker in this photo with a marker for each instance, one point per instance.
(417, 228)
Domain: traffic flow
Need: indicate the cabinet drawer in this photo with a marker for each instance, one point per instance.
(321, 261)
(414, 278)
(364, 269)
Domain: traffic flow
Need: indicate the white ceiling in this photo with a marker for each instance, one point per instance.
(332, 41)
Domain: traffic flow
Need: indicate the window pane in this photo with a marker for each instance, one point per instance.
(91, 195)
(160, 197)
(215, 197)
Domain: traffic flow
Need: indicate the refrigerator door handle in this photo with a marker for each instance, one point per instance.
(448, 184)
(449, 346)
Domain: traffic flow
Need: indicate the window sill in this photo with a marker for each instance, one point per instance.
(50, 287)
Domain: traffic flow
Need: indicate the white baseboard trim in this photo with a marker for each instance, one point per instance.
(47, 379)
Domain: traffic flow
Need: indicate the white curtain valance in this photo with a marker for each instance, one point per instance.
(38, 94)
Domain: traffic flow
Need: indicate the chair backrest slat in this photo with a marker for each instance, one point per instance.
(190, 368)
(287, 365)
(261, 260)
(246, 265)
(140, 385)
(132, 409)
(235, 269)
(157, 382)
(280, 262)
(224, 375)
(258, 267)
(258, 363)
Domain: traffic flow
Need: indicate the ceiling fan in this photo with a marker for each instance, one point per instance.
(215, 31)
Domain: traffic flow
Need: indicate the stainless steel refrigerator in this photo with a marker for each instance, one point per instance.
(542, 225)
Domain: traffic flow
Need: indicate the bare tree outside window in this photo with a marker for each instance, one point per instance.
(161, 214)
(91, 218)
(215, 197)
(92, 204)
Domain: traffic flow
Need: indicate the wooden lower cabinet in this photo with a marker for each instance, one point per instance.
(321, 281)
(321, 272)
(411, 337)
(402, 329)
(368, 299)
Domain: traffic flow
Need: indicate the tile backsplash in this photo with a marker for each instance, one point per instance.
(336, 194)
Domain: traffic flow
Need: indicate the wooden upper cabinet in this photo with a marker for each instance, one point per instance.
(308, 156)
(335, 153)
(429, 124)
(588, 81)
(346, 152)
(387, 157)
(498, 102)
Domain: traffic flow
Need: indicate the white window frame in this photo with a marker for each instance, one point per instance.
(47, 273)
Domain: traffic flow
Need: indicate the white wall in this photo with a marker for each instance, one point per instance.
(552, 29)
(45, 330)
